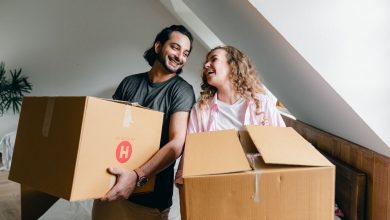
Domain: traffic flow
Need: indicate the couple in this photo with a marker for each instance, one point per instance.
(232, 96)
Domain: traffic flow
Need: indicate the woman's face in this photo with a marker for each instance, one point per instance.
(216, 69)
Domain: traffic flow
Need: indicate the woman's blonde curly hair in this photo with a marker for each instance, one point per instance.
(244, 77)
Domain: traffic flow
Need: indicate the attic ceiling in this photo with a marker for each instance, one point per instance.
(286, 72)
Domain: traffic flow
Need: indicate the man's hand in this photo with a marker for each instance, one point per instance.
(125, 184)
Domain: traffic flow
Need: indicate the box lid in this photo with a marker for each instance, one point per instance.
(214, 152)
(285, 146)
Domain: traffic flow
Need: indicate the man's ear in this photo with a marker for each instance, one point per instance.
(157, 47)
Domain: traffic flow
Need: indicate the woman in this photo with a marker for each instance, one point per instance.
(232, 96)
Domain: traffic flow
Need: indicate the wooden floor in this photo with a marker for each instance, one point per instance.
(9, 198)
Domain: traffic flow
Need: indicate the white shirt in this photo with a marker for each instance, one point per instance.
(231, 116)
(206, 119)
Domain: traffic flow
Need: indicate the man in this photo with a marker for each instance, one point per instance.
(164, 90)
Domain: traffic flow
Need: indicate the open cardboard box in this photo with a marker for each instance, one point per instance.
(226, 178)
(64, 145)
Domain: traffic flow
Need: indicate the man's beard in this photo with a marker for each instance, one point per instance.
(163, 62)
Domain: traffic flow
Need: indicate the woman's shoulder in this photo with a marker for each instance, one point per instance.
(206, 107)
(266, 101)
(264, 97)
(197, 105)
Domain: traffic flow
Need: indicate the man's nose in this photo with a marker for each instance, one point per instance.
(182, 58)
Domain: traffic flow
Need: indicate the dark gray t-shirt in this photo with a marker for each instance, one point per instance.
(173, 95)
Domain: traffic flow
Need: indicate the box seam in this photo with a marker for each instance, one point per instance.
(71, 197)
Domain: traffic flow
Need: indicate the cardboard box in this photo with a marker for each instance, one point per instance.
(64, 145)
(226, 178)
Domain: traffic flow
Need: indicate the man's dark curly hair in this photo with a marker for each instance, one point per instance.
(162, 37)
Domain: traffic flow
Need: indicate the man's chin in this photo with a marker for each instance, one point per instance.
(173, 70)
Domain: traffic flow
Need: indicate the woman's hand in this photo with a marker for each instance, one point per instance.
(179, 178)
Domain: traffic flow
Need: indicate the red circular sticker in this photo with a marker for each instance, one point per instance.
(123, 151)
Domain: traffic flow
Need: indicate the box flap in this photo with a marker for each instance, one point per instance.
(285, 146)
(214, 153)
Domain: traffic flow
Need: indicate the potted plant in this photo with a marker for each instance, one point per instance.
(12, 89)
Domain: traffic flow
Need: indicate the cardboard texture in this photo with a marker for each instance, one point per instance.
(64, 145)
(287, 179)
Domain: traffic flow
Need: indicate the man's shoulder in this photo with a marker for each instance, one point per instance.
(183, 88)
(182, 82)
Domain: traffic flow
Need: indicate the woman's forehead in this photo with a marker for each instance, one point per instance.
(217, 52)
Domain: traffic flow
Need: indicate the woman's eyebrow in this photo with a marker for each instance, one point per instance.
(212, 56)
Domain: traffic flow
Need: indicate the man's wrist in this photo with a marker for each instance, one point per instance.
(139, 173)
(136, 175)
(141, 177)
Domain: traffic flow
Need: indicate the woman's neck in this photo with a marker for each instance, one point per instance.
(227, 95)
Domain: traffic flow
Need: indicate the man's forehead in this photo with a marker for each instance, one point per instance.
(180, 39)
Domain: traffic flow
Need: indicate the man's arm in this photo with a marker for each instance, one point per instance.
(126, 179)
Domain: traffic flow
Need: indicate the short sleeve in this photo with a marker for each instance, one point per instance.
(273, 114)
(183, 99)
(194, 120)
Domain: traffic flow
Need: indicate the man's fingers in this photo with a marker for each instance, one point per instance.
(111, 195)
(114, 171)
(115, 196)
(123, 187)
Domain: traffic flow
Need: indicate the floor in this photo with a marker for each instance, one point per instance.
(9, 198)
(61, 210)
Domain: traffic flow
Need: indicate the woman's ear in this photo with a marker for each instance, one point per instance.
(157, 47)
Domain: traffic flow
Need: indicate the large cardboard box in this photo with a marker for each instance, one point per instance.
(259, 173)
(64, 145)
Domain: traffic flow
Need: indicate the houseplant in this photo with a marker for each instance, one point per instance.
(12, 89)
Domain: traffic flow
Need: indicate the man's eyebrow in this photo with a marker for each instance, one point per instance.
(176, 44)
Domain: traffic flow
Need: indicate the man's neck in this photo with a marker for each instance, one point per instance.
(157, 74)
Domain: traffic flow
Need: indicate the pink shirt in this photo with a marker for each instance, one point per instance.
(205, 120)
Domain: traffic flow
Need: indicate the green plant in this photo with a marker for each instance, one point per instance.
(12, 90)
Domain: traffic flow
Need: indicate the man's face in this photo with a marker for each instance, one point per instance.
(174, 53)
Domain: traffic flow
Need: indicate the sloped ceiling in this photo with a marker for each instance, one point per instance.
(290, 77)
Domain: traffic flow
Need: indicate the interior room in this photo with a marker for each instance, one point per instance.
(323, 63)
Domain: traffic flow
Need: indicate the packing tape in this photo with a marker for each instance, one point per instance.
(127, 117)
(48, 116)
(256, 194)
(252, 159)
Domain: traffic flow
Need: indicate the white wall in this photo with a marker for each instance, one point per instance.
(289, 76)
(347, 42)
(82, 47)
